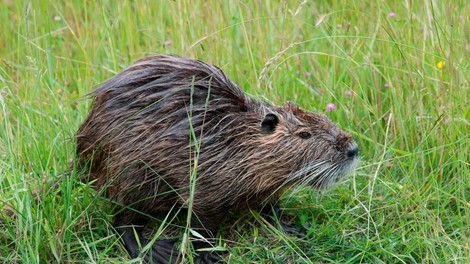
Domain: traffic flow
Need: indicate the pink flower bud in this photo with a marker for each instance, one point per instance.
(330, 107)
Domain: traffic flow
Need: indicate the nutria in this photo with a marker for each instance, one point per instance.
(165, 117)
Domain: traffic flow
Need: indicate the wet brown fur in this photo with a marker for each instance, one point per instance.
(138, 142)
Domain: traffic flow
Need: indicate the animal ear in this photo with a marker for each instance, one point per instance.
(269, 123)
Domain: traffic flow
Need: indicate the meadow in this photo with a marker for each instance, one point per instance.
(397, 73)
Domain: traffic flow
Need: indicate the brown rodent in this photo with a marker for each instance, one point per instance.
(165, 117)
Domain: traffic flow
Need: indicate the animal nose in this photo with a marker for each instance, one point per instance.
(352, 150)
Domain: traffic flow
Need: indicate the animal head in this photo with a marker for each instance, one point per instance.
(317, 151)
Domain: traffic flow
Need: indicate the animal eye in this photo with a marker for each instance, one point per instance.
(304, 135)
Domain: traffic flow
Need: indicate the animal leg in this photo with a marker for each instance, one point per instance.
(207, 227)
(162, 251)
(130, 225)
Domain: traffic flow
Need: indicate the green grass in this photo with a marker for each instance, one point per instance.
(409, 201)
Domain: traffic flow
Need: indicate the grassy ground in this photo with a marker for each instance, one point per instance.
(397, 72)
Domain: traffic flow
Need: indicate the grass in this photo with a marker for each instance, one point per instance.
(409, 202)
